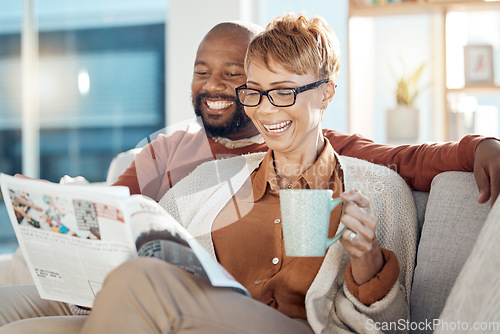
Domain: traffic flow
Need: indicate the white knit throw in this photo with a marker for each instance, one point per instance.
(197, 200)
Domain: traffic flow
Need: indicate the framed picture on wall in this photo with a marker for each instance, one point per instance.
(478, 61)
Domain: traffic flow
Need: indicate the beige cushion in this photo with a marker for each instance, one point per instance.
(14, 270)
(475, 298)
(453, 219)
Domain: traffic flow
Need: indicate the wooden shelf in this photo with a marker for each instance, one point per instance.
(476, 90)
(421, 7)
(390, 9)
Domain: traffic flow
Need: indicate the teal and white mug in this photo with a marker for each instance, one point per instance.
(305, 216)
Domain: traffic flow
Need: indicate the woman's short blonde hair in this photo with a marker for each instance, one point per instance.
(299, 44)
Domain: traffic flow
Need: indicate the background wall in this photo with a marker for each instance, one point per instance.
(187, 24)
(380, 54)
(397, 53)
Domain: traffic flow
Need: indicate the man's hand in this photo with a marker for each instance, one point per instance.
(487, 170)
(21, 176)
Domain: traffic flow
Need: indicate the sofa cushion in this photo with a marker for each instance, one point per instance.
(475, 297)
(453, 219)
(420, 198)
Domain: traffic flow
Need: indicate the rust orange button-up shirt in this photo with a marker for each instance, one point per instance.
(248, 240)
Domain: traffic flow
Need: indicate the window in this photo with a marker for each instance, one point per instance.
(101, 70)
(100, 94)
(10, 106)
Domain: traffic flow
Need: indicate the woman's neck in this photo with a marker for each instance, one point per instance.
(291, 165)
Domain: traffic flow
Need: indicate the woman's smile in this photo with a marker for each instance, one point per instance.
(276, 127)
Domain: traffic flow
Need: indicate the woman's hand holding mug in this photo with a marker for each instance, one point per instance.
(359, 239)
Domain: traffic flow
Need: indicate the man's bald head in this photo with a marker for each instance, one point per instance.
(248, 29)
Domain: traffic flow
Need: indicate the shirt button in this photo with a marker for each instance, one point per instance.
(257, 282)
(277, 221)
(276, 260)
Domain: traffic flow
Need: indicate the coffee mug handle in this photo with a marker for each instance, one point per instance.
(331, 241)
(333, 204)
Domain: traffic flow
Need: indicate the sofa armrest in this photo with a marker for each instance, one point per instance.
(120, 163)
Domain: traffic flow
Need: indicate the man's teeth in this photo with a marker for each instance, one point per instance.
(278, 127)
(219, 104)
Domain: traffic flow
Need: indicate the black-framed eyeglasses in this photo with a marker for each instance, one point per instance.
(279, 97)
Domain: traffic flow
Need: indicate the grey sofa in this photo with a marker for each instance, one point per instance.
(450, 220)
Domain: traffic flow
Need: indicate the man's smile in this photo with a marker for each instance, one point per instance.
(218, 104)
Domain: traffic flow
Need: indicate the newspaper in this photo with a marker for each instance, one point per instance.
(72, 236)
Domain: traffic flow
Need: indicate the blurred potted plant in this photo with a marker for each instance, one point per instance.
(403, 121)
